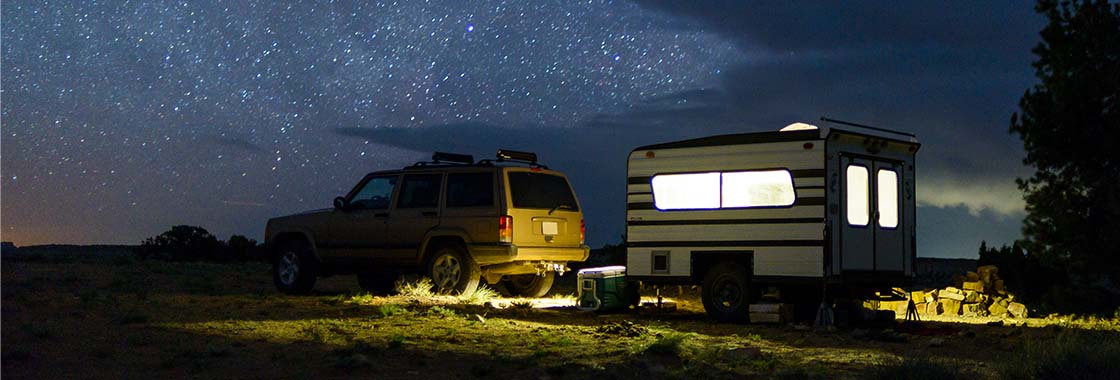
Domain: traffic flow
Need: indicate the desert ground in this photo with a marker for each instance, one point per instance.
(112, 316)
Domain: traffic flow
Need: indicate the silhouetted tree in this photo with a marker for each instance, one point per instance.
(242, 248)
(1070, 127)
(182, 243)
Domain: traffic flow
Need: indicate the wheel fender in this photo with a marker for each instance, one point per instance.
(303, 233)
(438, 234)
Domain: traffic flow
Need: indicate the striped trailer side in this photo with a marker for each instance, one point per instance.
(783, 241)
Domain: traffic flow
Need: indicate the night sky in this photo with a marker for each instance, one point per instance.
(120, 119)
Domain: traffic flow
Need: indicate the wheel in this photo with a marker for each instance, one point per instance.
(727, 293)
(529, 285)
(452, 270)
(378, 282)
(294, 268)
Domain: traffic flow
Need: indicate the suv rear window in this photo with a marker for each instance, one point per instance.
(536, 190)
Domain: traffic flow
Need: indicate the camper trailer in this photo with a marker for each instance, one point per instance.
(808, 211)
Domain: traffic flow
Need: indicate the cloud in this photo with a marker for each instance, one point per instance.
(998, 196)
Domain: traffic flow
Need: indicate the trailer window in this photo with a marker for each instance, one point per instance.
(887, 183)
(686, 191)
(714, 190)
(758, 189)
(857, 189)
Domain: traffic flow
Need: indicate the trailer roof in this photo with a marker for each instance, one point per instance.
(766, 137)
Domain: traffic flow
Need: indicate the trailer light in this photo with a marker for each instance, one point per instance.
(807, 146)
(505, 229)
(649, 154)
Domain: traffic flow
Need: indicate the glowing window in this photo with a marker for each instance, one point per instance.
(706, 191)
(887, 183)
(858, 206)
(686, 191)
(758, 189)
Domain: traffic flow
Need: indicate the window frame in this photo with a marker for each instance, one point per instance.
(792, 181)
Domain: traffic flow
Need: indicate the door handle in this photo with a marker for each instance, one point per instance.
(429, 213)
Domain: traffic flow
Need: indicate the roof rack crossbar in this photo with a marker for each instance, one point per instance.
(825, 119)
(440, 157)
(513, 155)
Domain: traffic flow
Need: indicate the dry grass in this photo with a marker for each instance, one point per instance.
(140, 319)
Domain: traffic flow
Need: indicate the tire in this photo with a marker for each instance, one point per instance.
(294, 268)
(452, 270)
(377, 282)
(529, 285)
(727, 293)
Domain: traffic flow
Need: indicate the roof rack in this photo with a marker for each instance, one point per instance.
(446, 159)
(440, 157)
(530, 158)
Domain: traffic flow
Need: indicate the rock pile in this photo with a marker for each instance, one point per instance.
(978, 294)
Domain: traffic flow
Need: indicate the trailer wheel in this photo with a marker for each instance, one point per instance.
(727, 293)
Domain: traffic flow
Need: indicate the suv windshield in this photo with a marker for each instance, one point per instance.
(545, 191)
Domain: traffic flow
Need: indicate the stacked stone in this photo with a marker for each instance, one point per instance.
(978, 294)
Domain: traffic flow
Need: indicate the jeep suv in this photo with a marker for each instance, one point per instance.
(454, 220)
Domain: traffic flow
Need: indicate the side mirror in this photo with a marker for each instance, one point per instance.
(340, 203)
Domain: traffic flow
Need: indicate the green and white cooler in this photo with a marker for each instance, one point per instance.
(605, 289)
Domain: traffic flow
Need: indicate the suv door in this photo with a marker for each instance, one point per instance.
(416, 211)
(361, 228)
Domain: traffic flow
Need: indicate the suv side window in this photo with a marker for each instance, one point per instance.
(470, 189)
(375, 194)
(420, 191)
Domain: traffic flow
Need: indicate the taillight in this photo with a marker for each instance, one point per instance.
(582, 231)
(505, 229)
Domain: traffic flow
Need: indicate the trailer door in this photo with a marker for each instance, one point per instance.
(857, 239)
(890, 251)
(871, 233)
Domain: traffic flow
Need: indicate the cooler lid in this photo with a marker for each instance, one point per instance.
(614, 270)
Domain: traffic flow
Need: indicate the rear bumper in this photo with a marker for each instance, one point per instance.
(488, 254)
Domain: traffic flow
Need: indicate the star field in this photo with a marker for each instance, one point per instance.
(120, 119)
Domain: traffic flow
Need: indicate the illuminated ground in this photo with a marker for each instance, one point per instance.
(125, 319)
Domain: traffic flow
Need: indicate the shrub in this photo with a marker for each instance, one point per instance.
(479, 295)
(421, 288)
(668, 343)
(389, 310)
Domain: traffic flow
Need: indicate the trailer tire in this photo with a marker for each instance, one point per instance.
(727, 293)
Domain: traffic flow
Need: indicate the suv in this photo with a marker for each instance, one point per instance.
(454, 220)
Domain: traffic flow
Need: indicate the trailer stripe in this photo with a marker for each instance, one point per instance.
(800, 173)
(730, 243)
(723, 221)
